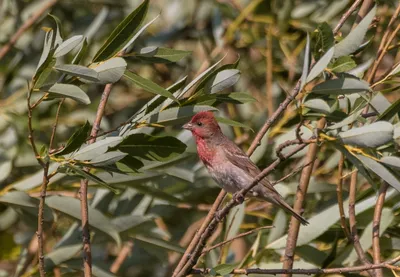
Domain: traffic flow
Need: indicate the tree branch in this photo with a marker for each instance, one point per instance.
(87, 255)
(301, 192)
(339, 194)
(353, 223)
(375, 227)
(346, 15)
(7, 47)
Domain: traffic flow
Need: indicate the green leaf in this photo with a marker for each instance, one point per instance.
(93, 150)
(324, 39)
(306, 63)
(392, 161)
(381, 171)
(57, 40)
(355, 38)
(107, 158)
(122, 34)
(131, 163)
(69, 91)
(318, 105)
(61, 255)
(395, 70)
(76, 140)
(391, 111)
(41, 78)
(234, 220)
(111, 70)
(151, 148)
(156, 54)
(222, 80)
(89, 176)
(47, 53)
(160, 243)
(149, 85)
(230, 122)
(224, 269)
(78, 71)
(342, 64)
(215, 99)
(324, 219)
(71, 207)
(82, 51)
(341, 86)
(68, 45)
(372, 135)
(348, 120)
(320, 65)
(176, 115)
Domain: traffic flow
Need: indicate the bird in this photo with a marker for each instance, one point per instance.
(228, 165)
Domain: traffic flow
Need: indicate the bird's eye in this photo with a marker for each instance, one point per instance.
(199, 124)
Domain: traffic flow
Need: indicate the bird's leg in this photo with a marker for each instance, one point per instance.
(238, 197)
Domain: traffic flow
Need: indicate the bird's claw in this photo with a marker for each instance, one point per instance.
(238, 197)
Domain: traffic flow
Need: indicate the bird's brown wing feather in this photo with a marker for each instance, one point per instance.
(236, 156)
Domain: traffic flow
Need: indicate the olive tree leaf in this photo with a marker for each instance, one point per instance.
(93, 150)
(157, 54)
(391, 161)
(342, 64)
(372, 135)
(222, 80)
(391, 111)
(306, 63)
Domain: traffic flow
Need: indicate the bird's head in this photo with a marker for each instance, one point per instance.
(203, 125)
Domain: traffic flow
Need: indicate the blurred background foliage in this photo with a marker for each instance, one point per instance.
(252, 53)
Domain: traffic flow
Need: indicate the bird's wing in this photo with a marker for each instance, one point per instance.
(236, 156)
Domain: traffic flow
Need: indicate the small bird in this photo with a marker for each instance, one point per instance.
(228, 165)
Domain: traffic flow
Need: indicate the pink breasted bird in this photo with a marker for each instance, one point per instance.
(228, 165)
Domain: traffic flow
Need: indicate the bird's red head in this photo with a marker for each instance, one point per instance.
(203, 125)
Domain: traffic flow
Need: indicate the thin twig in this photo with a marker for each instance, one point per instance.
(339, 194)
(294, 172)
(268, 71)
(30, 130)
(301, 192)
(375, 227)
(87, 253)
(384, 45)
(223, 212)
(346, 15)
(311, 271)
(353, 223)
(208, 249)
(122, 255)
(4, 50)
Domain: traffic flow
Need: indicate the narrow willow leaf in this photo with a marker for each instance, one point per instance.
(76, 140)
(223, 269)
(372, 135)
(215, 99)
(57, 40)
(78, 71)
(381, 171)
(230, 122)
(122, 34)
(68, 45)
(71, 206)
(222, 80)
(160, 243)
(318, 105)
(82, 51)
(151, 148)
(395, 70)
(348, 120)
(355, 38)
(306, 63)
(69, 91)
(93, 150)
(149, 85)
(161, 55)
(391, 161)
(111, 70)
(107, 158)
(320, 65)
(41, 78)
(89, 176)
(342, 64)
(391, 111)
(341, 86)
(176, 115)
(324, 39)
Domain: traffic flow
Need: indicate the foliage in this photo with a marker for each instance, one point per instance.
(146, 187)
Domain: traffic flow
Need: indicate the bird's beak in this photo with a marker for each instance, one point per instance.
(188, 126)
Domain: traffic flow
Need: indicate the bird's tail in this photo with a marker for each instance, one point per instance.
(281, 203)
